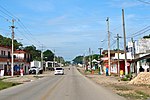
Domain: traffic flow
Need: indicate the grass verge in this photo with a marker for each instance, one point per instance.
(131, 94)
(138, 95)
(4, 85)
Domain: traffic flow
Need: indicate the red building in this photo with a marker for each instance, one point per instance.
(114, 61)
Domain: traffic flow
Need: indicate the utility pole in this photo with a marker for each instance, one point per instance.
(125, 52)
(90, 57)
(100, 67)
(135, 68)
(42, 58)
(12, 48)
(54, 60)
(118, 54)
(108, 44)
(83, 60)
(100, 50)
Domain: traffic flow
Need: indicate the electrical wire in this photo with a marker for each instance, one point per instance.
(25, 36)
(19, 23)
(27, 31)
(140, 32)
(146, 2)
(113, 43)
(4, 18)
(6, 14)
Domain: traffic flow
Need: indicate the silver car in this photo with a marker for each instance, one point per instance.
(59, 71)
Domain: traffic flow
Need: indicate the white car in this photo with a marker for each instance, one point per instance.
(59, 71)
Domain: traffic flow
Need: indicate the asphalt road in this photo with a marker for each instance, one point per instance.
(71, 86)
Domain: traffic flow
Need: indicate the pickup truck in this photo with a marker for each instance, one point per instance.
(36, 67)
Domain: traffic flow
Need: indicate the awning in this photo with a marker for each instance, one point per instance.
(141, 58)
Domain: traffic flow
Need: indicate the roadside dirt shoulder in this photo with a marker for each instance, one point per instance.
(122, 88)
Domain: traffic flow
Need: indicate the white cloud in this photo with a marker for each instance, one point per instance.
(123, 4)
(39, 5)
(130, 16)
(57, 20)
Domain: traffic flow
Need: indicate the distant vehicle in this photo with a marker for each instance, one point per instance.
(35, 67)
(50, 65)
(59, 71)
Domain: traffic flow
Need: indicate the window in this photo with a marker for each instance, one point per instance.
(25, 56)
(9, 54)
(4, 53)
(59, 69)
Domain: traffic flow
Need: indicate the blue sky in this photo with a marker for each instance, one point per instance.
(71, 27)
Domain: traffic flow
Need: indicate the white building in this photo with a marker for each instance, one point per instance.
(22, 60)
(142, 48)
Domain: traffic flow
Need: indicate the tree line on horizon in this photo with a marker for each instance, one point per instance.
(48, 55)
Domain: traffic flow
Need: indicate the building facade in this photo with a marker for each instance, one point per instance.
(5, 58)
(21, 61)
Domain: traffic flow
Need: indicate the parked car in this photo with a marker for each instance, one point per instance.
(38, 65)
(34, 70)
(59, 71)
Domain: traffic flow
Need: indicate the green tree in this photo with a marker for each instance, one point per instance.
(48, 55)
(60, 60)
(78, 59)
(35, 54)
(67, 63)
(4, 41)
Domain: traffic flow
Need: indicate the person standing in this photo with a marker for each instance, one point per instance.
(141, 69)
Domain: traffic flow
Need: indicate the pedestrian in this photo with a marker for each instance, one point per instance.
(141, 69)
(107, 70)
(148, 69)
(21, 71)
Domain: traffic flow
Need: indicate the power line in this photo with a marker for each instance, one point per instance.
(26, 37)
(146, 2)
(140, 32)
(117, 27)
(28, 32)
(4, 18)
(113, 42)
(6, 14)
(18, 22)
